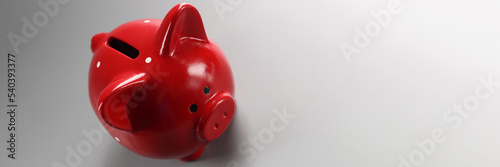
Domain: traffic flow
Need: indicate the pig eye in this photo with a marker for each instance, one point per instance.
(193, 108)
(206, 90)
(123, 47)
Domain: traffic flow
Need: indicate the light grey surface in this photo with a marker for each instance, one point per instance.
(285, 55)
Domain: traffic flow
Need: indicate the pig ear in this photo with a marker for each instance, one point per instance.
(116, 101)
(182, 21)
(97, 40)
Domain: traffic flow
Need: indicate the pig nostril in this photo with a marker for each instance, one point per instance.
(216, 126)
(225, 114)
(193, 108)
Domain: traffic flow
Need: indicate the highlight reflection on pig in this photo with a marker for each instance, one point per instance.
(162, 88)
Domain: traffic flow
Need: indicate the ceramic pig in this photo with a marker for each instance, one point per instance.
(162, 88)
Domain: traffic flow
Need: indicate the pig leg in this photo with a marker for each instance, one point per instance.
(192, 156)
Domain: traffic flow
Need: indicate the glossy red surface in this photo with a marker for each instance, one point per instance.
(162, 88)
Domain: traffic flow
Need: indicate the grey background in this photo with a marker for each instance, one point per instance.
(284, 54)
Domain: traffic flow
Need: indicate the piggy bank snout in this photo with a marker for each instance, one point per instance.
(216, 117)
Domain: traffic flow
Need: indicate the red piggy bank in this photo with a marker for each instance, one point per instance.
(162, 88)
